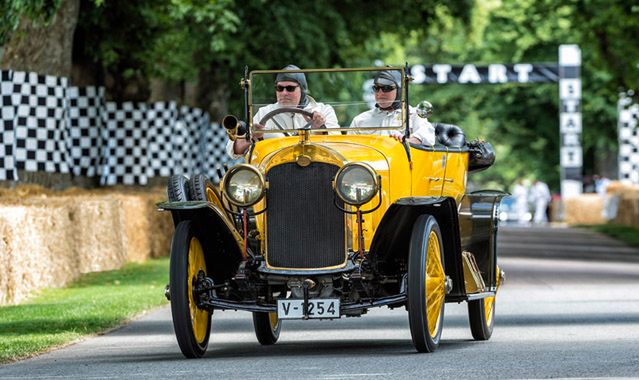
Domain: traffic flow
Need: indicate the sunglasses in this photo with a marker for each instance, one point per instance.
(279, 88)
(385, 88)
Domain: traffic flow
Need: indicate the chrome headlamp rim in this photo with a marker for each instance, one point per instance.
(369, 169)
(233, 171)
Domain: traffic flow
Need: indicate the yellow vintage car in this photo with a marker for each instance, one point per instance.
(328, 223)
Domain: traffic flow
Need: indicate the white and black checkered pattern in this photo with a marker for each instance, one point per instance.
(628, 140)
(84, 121)
(39, 123)
(50, 127)
(125, 149)
(196, 121)
(162, 117)
(7, 109)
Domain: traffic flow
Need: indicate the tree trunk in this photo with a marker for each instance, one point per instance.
(45, 49)
(209, 93)
(164, 90)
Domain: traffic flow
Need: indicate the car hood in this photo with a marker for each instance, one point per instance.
(381, 152)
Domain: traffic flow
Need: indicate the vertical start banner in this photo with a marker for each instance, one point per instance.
(570, 120)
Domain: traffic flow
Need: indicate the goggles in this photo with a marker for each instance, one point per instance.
(384, 88)
(291, 88)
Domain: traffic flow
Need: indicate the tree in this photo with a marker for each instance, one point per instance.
(38, 35)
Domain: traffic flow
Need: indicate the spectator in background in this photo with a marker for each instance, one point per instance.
(540, 195)
(520, 193)
(601, 185)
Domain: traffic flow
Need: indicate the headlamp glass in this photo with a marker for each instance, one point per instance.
(244, 186)
(356, 184)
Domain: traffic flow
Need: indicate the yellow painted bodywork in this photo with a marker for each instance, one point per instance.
(430, 173)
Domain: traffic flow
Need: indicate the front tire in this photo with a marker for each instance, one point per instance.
(192, 324)
(426, 284)
(267, 327)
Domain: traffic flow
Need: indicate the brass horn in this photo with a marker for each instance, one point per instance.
(234, 126)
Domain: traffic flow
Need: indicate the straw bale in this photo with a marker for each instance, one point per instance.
(628, 210)
(50, 238)
(584, 209)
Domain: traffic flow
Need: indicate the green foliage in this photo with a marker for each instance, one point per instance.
(627, 234)
(522, 121)
(36, 11)
(94, 303)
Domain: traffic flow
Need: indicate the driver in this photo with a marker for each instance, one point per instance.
(291, 90)
(387, 112)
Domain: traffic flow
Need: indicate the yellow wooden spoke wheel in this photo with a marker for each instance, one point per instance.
(191, 323)
(426, 284)
(267, 327)
(481, 315)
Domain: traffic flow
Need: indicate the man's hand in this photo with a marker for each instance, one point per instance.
(397, 136)
(317, 121)
(256, 134)
(400, 137)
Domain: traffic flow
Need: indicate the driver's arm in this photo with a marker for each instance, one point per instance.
(240, 145)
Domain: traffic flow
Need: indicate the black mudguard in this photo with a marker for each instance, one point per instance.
(221, 242)
(390, 245)
(478, 225)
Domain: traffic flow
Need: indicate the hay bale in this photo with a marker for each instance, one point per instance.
(584, 209)
(628, 210)
(50, 238)
(97, 234)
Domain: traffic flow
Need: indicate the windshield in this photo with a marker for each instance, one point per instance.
(347, 99)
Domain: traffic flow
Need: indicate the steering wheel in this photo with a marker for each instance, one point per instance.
(278, 111)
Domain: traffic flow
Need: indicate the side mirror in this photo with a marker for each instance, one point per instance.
(424, 109)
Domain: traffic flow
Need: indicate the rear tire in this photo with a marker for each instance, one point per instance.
(481, 314)
(426, 284)
(267, 327)
(192, 325)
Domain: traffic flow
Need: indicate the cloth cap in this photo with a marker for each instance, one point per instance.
(299, 78)
(391, 78)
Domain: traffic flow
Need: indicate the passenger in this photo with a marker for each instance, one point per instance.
(387, 112)
(291, 90)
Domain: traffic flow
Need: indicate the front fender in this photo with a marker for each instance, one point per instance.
(222, 243)
(390, 245)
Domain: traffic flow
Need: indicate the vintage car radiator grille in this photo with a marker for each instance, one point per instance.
(304, 228)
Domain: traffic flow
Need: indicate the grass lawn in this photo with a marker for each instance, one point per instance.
(627, 234)
(94, 303)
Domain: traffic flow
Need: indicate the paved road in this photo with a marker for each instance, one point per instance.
(556, 317)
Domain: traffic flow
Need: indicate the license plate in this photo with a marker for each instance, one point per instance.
(317, 308)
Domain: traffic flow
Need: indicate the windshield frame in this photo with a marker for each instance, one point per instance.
(403, 98)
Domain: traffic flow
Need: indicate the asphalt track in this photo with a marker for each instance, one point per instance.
(569, 309)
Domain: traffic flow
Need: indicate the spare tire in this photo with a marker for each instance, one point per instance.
(177, 189)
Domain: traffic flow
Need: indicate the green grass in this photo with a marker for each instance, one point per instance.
(94, 303)
(627, 234)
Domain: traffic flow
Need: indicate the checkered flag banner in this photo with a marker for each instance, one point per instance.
(84, 121)
(7, 142)
(48, 126)
(162, 117)
(628, 139)
(39, 123)
(125, 144)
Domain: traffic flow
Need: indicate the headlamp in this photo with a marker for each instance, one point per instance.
(356, 183)
(244, 185)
